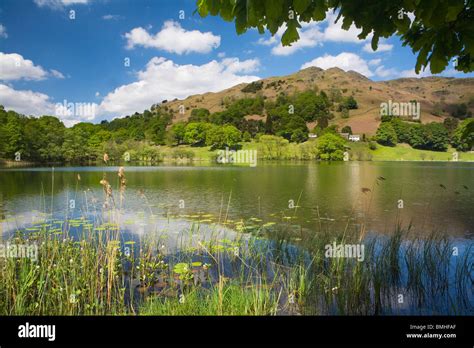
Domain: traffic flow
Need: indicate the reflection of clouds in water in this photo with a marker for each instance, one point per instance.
(17, 222)
(174, 233)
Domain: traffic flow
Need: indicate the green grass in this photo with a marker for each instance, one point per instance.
(403, 152)
(88, 277)
(305, 151)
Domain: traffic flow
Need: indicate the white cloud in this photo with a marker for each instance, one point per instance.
(335, 33)
(3, 32)
(311, 35)
(57, 74)
(32, 103)
(97, 94)
(380, 71)
(25, 102)
(234, 65)
(110, 17)
(164, 79)
(270, 41)
(15, 67)
(412, 73)
(59, 4)
(345, 60)
(221, 54)
(382, 47)
(174, 39)
(375, 62)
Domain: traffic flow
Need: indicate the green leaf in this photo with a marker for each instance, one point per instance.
(274, 9)
(454, 10)
(181, 268)
(301, 5)
(291, 34)
(319, 12)
(202, 8)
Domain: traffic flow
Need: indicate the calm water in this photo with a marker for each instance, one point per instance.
(435, 196)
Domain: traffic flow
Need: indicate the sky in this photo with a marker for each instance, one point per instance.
(122, 56)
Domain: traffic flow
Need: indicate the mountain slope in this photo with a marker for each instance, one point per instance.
(437, 95)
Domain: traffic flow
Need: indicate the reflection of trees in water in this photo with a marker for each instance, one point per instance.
(2, 208)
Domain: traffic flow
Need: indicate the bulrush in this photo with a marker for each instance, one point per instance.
(123, 181)
(107, 191)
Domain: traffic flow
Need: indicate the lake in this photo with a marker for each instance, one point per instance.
(431, 196)
(316, 238)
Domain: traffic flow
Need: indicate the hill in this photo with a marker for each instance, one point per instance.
(439, 97)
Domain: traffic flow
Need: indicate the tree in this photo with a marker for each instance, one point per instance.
(199, 115)
(348, 103)
(331, 147)
(345, 113)
(346, 129)
(176, 133)
(451, 123)
(195, 133)
(272, 146)
(246, 137)
(402, 129)
(441, 30)
(232, 135)
(386, 135)
(463, 136)
(253, 87)
(436, 137)
(298, 136)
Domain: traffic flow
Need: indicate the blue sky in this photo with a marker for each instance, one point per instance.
(48, 57)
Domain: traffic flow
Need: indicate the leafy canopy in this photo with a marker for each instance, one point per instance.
(440, 31)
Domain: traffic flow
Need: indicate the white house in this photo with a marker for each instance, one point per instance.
(354, 137)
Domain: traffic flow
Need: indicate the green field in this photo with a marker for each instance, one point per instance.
(358, 151)
(404, 152)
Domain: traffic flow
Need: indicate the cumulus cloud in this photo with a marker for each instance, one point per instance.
(32, 103)
(314, 34)
(381, 71)
(375, 62)
(345, 60)
(110, 17)
(174, 39)
(3, 32)
(163, 79)
(25, 102)
(310, 36)
(57, 74)
(15, 67)
(334, 32)
(382, 47)
(59, 4)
